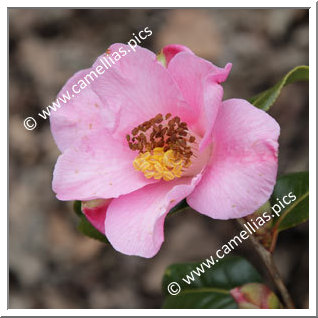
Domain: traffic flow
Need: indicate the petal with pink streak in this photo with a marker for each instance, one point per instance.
(134, 222)
(95, 212)
(199, 81)
(83, 114)
(242, 172)
(97, 167)
(171, 50)
(138, 88)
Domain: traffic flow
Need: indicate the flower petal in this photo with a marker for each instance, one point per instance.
(170, 51)
(79, 116)
(134, 222)
(97, 167)
(95, 212)
(199, 81)
(212, 99)
(138, 87)
(242, 172)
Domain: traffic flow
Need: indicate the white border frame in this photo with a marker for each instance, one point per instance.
(312, 162)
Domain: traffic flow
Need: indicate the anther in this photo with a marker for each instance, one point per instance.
(156, 138)
(135, 131)
(158, 118)
(171, 123)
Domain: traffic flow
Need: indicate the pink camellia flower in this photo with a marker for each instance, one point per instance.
(152, 131)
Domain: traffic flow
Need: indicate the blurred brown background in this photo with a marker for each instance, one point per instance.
(51, 264)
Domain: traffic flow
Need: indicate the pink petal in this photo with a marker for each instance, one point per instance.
(134, 222)
(97, 167)
(138, 87)
(242, 172)
(95, 212)
(199, 81)
(212, 99)
(79, 116)
(170, 51)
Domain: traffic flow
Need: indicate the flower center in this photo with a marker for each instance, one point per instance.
(163, 146)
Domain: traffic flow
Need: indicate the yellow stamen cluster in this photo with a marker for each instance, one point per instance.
(163, 146)
(160, 164)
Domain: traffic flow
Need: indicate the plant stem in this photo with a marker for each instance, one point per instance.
(269, 263)
(274, 240)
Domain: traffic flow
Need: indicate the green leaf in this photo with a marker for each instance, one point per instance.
(212, 288)
(267, 98)
(85, 227)
(297, 211)
(200, 300)
(77, 208)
